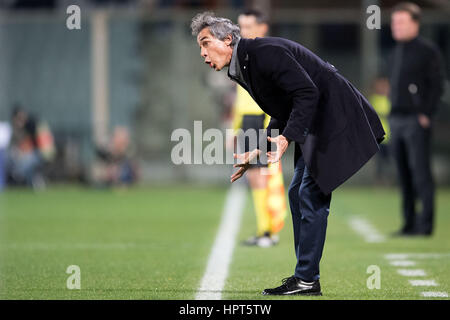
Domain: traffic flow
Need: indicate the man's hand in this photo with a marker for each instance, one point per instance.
(246, 160)
(424, 121)
(282, 143)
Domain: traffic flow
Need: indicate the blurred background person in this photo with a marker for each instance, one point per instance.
(114, 165)
(31, 147)
(266, 183)
(379, 99)
(5, 136)
(416, 79)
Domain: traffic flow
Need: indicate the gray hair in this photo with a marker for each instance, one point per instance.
(219, 27)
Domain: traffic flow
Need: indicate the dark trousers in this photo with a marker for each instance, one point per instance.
(410, 146)
(310, 208)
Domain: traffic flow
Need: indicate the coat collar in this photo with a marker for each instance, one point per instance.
(242, 62)
(243, 58)
(234, 70)
(242, 51)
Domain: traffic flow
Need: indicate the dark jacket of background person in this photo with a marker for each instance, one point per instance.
(416, 77)
(333, 125)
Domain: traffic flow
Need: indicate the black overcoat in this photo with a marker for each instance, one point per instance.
(333, 125)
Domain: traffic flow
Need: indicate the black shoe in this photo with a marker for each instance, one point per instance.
(404, 233)
(295, 286)
(425, 233)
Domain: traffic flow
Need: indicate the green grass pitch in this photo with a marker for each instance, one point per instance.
(154, 243)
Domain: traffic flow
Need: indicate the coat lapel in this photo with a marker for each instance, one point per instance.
(244, 63)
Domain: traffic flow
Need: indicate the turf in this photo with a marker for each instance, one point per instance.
(153, 243)
(346, 255)
(134, 244)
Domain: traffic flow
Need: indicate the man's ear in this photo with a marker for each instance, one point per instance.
(228, 39)
(264, 28)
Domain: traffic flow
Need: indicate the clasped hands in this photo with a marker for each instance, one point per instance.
(247, 158)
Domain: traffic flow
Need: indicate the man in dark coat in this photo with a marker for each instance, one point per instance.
(417, 80)
(334, 128)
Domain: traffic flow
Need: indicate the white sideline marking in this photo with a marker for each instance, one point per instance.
(402, 263)
(399, 259)
(434, 294)
(412, 272)
(396, 256)
(216, 272)
(400, 256)
(365, 229)
(69, 246)
(423, 283)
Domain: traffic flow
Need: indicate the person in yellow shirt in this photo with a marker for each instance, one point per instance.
(266, 182)
(379, 99)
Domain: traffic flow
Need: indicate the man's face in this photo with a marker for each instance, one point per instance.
(217, 53)
(403, 27)
(250, 28)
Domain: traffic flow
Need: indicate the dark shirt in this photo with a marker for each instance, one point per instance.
(416, 75)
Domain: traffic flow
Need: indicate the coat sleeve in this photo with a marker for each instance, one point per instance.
(435, 83)
(287, 74)
(275, 124)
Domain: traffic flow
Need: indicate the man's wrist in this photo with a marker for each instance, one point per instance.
(286, 138)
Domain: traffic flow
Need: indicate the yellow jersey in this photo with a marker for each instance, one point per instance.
(382, 106)
(245, 105)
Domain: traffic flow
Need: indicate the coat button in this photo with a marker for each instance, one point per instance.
(412, 88)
